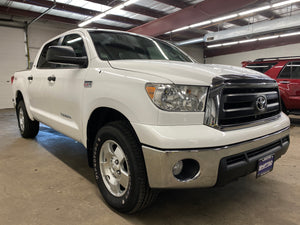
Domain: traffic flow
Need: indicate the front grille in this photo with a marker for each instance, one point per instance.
(239, 103)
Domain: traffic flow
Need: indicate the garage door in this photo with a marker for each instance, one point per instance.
(12, 58)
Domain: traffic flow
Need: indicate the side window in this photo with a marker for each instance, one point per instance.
(42, 63)
(261, 67)
(76, 42)
(295, 70)
(286, 72)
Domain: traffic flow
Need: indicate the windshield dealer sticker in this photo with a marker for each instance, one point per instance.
(88, 84)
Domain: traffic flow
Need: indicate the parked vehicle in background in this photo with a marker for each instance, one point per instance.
(286, 71)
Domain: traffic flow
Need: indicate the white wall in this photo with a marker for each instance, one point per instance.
(40, 32)
(13, 51)
(237, 58)
(195, 51)
(12, 58)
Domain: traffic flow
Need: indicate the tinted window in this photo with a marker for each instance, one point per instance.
(295, 70)
(286, 72)
(76, 42)
(42, 63)
(116, 46)
(261, 67)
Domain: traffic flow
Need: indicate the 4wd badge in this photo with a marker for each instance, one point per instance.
(88, 84)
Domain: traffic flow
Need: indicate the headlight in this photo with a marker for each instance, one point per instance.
(178, 98)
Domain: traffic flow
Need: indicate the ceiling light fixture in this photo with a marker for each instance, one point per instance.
(181, 29)
(268, 37)
(254, 39)
(254, 10)
(248, 40)
(230, 43)
(203, 23)
(224, 18)
(109, 11)
(290, 34)
(214, 46)
(284, 3)
(191, 41)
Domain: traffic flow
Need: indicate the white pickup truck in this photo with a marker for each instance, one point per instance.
(149, 116)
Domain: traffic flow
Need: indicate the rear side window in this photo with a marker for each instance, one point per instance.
(290, 71)
(42, 63)
(261, 67)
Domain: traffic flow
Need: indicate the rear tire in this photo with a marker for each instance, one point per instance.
(120, 169)
(27, 127)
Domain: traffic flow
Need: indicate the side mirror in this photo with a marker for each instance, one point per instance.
(64, 55)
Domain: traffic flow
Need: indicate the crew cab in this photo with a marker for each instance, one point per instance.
(149, 116)
(286, 71)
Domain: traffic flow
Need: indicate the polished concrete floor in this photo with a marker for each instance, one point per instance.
(47, 181)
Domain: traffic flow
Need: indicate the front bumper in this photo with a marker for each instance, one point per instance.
(218, 165)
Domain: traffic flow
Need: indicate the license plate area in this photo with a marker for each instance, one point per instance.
(265, 165)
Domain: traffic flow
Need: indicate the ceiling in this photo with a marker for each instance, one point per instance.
(158, 18)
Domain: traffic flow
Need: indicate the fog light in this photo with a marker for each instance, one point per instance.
(186, 170)
(177, 168)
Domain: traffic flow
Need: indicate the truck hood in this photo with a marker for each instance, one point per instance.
(184, 72)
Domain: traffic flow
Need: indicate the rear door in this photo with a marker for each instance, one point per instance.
(38, 86)
(289, 84)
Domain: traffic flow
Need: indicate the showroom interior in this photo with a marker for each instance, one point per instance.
(47, 179)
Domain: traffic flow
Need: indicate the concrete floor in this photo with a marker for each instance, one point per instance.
(47, 181)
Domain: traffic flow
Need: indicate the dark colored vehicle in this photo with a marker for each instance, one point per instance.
(286, 71)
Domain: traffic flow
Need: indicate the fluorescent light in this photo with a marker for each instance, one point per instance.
(284, 3)
(224, 18)
(230, 43)
(268, 37)
(109, 11)
(290, 34)
(254, 10)
(203, 23)
(191, 41)
(252, 40)
(74, 40)
(247, 41)
(130, 2)
(180, 29)
(214, 46)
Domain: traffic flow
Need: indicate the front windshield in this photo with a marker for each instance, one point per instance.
(118, 46)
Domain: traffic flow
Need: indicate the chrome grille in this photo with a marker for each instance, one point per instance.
(239, 102)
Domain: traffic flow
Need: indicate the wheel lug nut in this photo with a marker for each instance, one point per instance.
(118, 172)
(116, 162)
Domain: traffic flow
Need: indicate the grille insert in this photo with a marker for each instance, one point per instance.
(238, 103)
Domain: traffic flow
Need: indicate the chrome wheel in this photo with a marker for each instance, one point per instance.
(21, 120)
(114, 168)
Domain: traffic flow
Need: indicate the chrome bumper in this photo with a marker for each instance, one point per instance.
(159, 162)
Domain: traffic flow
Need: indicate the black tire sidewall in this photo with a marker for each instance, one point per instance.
(128, 201)
(31, 128)
(22, 106)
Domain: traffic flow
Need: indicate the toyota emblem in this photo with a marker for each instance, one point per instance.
(261, 103)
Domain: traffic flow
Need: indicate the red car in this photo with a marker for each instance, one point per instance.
(286, 71)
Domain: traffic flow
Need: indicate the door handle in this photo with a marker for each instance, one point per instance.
(52, 78)
(284, 82)
(30, 78)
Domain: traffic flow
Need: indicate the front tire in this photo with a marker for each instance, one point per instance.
(27, 127)
(120, 169)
